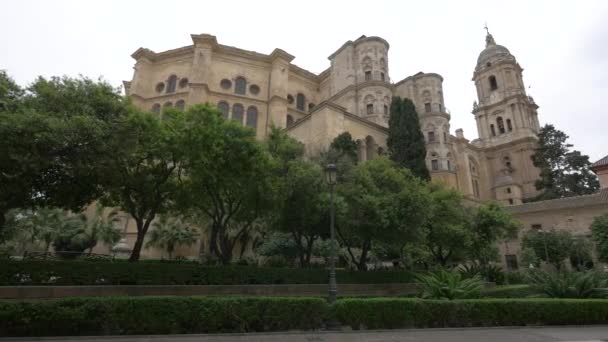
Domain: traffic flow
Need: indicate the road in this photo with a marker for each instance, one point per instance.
(534, 334)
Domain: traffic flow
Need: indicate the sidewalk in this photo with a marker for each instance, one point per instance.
(533, 334)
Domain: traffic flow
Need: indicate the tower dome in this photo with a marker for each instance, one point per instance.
(493, 53)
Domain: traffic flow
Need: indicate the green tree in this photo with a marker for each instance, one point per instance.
(227, 177)
(550, 246)
(345, 146)
(383, 203)
(55, 137)
(405, 141)
(448, 234)
(143, 174)
(491, 224)
(563, 172)
(71, 238)
(169, 233)
(599, 231)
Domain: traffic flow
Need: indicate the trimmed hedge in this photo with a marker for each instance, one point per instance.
(407, 313)
(159, 315)
(176, 315)
(161, 273)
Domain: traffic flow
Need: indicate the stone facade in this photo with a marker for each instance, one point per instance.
(353, 95)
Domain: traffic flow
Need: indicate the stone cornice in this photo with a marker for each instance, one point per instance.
(204, 39)
(360, 40)
(419, 75)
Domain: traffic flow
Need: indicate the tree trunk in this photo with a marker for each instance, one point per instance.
(142, 228)
(361, 265)
(2, 220)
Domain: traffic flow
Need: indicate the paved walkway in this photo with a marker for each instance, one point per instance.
(540, 334)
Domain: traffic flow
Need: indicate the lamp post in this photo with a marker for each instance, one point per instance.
(330, 177)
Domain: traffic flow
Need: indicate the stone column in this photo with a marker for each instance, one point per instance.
(277, 87)
(201, 68)
(362, 150)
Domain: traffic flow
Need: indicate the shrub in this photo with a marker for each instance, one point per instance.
(569, 284)
(490, 273)
(385, 313)
(443, 284)
(510, 291)
(174, 273)
(158, 315)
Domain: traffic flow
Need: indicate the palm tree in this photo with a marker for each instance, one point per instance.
(170, 233)
(103, 229)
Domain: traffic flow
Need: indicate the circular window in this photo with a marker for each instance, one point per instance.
(160, 87)
(254, 89)
(183, 82)
(226, 83)
(290, 99)
(489, 64)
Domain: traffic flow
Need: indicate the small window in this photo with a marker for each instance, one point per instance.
(183, 83)
(311, 106)
(290, 99)
(180, 104)
(509, 126)
(435, 164)
(300, 101)
(254, 89)
(160, 86)
(501, 125)
(537, 226)
(171, 84)
(237, 113)
(493, 130)
(385, 109)
(427, 107)
(240, 86)
(226, 84)
(382, 76)
(510, 201)
(508, 190)
(289, 120)
(449, 164)
(445, 137)
(511, 261)
(370, 108)
(252, 117)
(156, 108)
(488, 64)
(493, 83)
(368, 75)
(224, 109)
(440, 108)
(431, 136)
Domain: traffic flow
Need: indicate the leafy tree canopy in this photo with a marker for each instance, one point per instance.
(599, 230)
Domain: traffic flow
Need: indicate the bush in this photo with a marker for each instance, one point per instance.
(407, 313)
(449, 285)
(510, 291)
(173, 273)
(569, 284)
(158, 315)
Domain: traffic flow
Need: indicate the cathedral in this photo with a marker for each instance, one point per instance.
(354, 95)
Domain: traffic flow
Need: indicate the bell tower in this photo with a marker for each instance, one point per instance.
(507, 123)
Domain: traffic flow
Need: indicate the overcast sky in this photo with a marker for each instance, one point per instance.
(562, 46)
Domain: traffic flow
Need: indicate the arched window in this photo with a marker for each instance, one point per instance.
(168, 104)
(371, 147)
(300, 101)
(427, 107)
(156, 108)
(509, 126)
(240, 86)
(224, 108)
(237, 113)
(385, 110)
(431, 136)
(252, 117)
(289, 120)
(381, 76)
(370, 108)
(493, 83)
(171, 84)
(493, 130)
(501, 125)
(180, 104)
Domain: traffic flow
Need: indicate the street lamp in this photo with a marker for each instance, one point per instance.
(331, 179)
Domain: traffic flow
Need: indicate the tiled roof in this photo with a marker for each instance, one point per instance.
(601, 162)
(598, 198)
